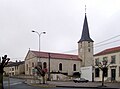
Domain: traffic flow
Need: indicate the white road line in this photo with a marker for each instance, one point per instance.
(13, 84)
(16, 83)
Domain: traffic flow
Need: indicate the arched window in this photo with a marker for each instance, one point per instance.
(44, 65)
(60, 66)
(74, 67)
(26, 67)
(32, 64)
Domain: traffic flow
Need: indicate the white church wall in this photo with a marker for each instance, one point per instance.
(67, 65)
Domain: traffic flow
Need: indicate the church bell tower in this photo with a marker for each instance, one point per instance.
(85, 46)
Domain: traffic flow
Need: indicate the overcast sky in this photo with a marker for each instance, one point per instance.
(63, 22)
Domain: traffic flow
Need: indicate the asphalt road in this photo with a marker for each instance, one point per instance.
(19, 84)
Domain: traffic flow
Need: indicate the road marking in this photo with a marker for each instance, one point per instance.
(13, 84)
(16, 83)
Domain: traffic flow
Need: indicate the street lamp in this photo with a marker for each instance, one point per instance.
(39, 34)
(42, 73)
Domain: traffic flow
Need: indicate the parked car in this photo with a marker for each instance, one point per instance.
(80, 80)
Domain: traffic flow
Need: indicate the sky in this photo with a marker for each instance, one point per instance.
(62, 20)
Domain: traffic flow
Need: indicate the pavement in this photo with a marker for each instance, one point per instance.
(71, 84)
(85, 85)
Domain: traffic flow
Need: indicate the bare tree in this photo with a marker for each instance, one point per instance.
(103, 66)
(3, 63)
(41, 72)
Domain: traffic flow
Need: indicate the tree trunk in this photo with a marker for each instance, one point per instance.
(43, 79)
(1, 81)
(102, 78)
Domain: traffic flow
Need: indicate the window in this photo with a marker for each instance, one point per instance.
(96, 61)
(32, 64)
(105, 59)
(12, 73)
(81, 44)
(60, 66)
(97, 72)
(113, 59)
(26, 67)
(88, 49)
(74, 67)
(12, 69)
(88, 44)
(44, 65)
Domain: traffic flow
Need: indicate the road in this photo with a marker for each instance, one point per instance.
(19, 84)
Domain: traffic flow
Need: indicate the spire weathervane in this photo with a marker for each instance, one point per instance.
(85, 9)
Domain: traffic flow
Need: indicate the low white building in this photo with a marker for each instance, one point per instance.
(86, 72)
(112, 55)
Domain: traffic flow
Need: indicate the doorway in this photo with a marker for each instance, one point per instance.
(113, 74)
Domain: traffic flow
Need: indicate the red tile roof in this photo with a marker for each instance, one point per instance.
(108, 51)
(56, 55)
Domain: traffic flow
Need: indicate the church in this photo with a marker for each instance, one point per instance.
(58, 65)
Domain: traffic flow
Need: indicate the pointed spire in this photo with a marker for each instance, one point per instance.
(85, 32)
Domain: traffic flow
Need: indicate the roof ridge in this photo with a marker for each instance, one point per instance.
(108, 50)
(54, 53)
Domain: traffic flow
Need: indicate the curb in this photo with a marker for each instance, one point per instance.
(41, 85)
(53, 86)
(87, 87)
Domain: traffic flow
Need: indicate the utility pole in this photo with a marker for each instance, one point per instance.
(49, 67)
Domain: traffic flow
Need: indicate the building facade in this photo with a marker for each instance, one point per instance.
(15, 68)
(59, 63)
(112, 55)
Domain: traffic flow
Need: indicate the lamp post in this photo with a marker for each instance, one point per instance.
(49, 67)
(39, 66)
(39, 34)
